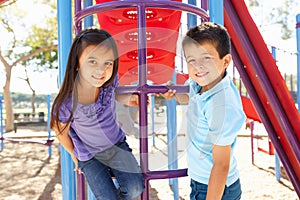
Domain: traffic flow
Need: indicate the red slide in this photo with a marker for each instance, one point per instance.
(266, 87)
(249, 109)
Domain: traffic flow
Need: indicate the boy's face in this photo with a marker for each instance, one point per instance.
(204, 65)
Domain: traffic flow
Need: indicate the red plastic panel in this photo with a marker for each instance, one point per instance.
(162, 27)
(249, 109)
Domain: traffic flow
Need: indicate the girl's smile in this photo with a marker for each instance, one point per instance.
(96, 66)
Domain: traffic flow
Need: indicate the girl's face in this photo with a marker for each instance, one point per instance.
(95, 66)
(204, 65)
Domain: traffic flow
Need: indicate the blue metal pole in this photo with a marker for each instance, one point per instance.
(172, 141)
(64, 19)
(152, 117)
(216, 11)
(48, 124)
(88, 21)
(191, 18)
(277, 161)
(298, 59)
(1, 123)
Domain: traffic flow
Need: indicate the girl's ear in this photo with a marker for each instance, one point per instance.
(227, 59)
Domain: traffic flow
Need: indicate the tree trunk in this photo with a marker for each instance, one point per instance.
(9, 119)
(32, 101)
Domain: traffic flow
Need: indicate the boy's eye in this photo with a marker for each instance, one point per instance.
(192, 62)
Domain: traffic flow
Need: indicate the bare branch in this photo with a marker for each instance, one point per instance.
(36, 52)
(10, 30)
(3, 4)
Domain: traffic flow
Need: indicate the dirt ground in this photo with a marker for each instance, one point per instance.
(28, 173)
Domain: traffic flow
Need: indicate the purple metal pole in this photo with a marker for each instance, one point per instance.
(172, 5)
(251, 126)
(81, 192)
(204, 4)
(48, 125)
(142, 80)
(298, 59)
(77, 7)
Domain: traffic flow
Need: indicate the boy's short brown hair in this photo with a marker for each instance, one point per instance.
(212, 33)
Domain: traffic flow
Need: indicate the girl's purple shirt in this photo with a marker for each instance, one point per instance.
(94, 127)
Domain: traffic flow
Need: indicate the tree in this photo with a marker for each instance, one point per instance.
(283, 14)
(39, 47)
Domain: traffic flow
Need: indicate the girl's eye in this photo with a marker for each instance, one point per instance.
(108, 63)
(92, 62)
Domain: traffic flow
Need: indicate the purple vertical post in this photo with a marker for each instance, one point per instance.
(48, 124)
(298, 59)
(251, 126)
(77, 7)
(204, 4)
(142, 81)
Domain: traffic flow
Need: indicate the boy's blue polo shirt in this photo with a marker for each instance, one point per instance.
(214, 117)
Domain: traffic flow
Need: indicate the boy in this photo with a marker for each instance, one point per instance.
(215, 114)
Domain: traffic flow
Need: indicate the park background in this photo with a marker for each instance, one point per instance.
(45, 82)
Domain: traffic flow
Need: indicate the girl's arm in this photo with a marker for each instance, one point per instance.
(66, 141)
(219, 172)
(63, 137)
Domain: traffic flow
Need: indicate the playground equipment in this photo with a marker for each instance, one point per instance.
(253, 118)
(260, 76)
(132, 41)
(266, 87)
(47, 142)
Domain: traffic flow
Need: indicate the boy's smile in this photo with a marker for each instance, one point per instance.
(204, 64)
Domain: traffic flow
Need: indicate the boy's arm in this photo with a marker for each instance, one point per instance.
(180, 98)
(219, 172)
(128, 99)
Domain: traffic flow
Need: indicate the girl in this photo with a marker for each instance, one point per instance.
(84, 118)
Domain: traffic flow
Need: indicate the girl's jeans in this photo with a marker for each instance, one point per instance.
(119, 161)
(199, 190)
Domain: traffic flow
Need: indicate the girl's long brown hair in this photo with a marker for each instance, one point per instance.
(68, 89)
